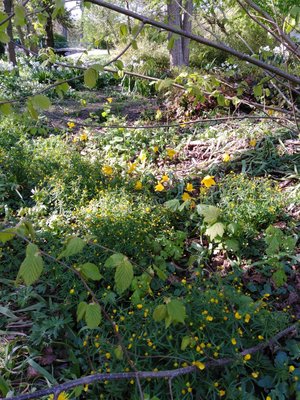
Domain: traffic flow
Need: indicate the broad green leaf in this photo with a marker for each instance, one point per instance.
(81, 309)
(74, 246)
(216, 230)
(62, 89)
(97, 67)
(119, 64)
(93, 315)
(90, 271)
(221, 100)
(171, 42)
(90, 77)
(134, 45)
(4, 38)
(20, 15)
(123, 276)
(41, 102)
(118, 352)
(32, 267)
(172, 205)
(210, 213)
(7, 235)
(123, 30)
(258, 90)
(3, 16)
(5, 109)
(279, 277)
(32, 111)
(115, 260)
(160, 313)
(176, 310)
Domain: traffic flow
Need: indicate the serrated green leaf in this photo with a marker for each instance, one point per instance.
(123, 276)
(32, 267)
(172, 205)
(90, 271)
(74, 246)
(216, 230)
(210, 213)
(115, 260)
(258, 90)
(160, 313)
(90, 77)
(81, 309)
(93, 315)
(4, 38)
(7, 235)
(279, 277)
(41, 102)
(5, 109)
(186, 340)
(20, 15)
(176, 311)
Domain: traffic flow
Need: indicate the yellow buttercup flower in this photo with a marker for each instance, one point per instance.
(222, 393)
(107, 170)
(268, 398)
(143, 156)
(200, 365)
(131, 167)
(71, 125)
(237, 315)
(83, 137)
(226, 157)
(138, 185)
(164, 178)
(83, 102)
(109, 99)
(208, 181)
(186, 196)
(247, 318)
(247, 357)
(255, 374)
(233, 341)
(189, 187)
(155, 149)
(171, 153)
(159, 187)
(291, 368)
(252, 142)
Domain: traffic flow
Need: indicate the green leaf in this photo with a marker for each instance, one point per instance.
(81, 309)
(115, 260)
(90, 77)
(118, 351)
(42, 371)
(90, 271)
(20, 15)
(210, 213)
(32, 111)
(123, 276)
(216, 230)
(93, 315)
(176, 311)
(160, 313)
(41, 102)
(7, 235)
(221, 100)
(32, 267)
(62, 89)
(119, 64)
(3, 16)
(4, 38)
(258, 90)
(123, 30)
(172, 205)
(74, 246)
(5, 109)
(134, 45)
(171, 42)
(186, 340)
(279, 277)
(4, 387)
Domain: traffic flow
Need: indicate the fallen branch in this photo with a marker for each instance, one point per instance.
(171, 374)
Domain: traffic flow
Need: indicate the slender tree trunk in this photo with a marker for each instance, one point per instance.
(22, 40)
(49, 32)
(8, 7)
(187, 26)
(174, 19)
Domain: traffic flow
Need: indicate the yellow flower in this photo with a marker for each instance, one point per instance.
(209, 318)
(252, 142)
(155, 149)
(139, 306)
(171, 153)
(138, 185)
(63, 396)
(222, 393)
(247, 318)
(83, 102)
(268, 398)
(72, 291)
(208, 181)
(233, 341)
(164, 178)
(226, 157)
(109, 99)
(107, 170)
(108, 356)
(260, 337)
(71, 125)
(200, 365)
(189, 187)
(291, 368)
(255, 374)
(83, 137)
(237, 315)
(159, 187)
(186, 196)
(131, 167)
(142, 156)
(247, 357)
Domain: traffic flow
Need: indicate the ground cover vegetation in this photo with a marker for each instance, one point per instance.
(150, 202)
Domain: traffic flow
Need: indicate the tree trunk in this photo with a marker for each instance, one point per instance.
(8, 6)
(174, 19)
(49, 32)
(187, 26)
